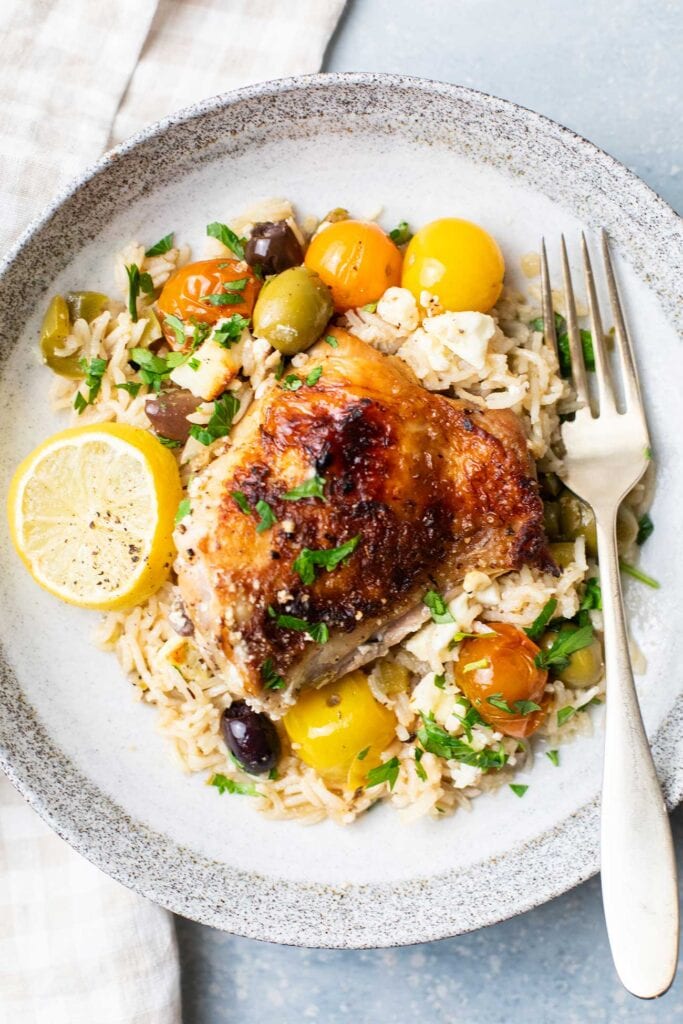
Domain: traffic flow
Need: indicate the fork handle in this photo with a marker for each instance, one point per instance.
(638, 864)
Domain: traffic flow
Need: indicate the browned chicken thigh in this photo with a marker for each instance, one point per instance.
(422, 488)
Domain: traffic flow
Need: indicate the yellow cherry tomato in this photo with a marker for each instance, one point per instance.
(458, 262)
(356, 260)
(333, 725)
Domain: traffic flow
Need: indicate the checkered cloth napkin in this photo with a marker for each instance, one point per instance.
(77, 77)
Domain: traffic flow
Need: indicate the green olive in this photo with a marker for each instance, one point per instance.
(577, 520)
(551, 519)
(54, 331)
(563, 553)
(292, 310)
(585, 666)
(86, 305)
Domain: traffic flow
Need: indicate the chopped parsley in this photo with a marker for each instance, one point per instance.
(638, 574)
(525, 707)
(224, 298)
(229, 333)
(183, 510)
(314, 376)
(317, 631)
(326, 558)
(564, 714)
(645, 529)
(94, 372)
(537, 627)
(162, 246)
(518, 789)
(267, 516)
(440, 681)
(437, 607)
(177, 327)
(240, 499)
(563, 351)
(363, 754)
(554, 757)
(592, 595)
(470, 718)
(648, 452)
(280, 368)
(228, 237)
(386, 772)
(474, 666)
(225, 785)
(437, 741)
(270, 677)
(155, 369)
(401, 234)
(168, 442)
(563, 646)
(519, 707)
(331, 341)
(292, 382)
(137, 282)
(130, 386)
(313, 488)
(419, 768)
(225, 409)
(370, 307)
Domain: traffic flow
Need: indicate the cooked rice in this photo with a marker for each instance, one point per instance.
(516, 371)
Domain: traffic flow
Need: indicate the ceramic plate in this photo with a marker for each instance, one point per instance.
(73, 739)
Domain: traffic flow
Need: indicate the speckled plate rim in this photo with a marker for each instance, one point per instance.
(255, 906)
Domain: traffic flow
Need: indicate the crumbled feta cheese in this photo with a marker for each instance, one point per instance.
(217, 367)
(428, 699)
(430, 643)
(467, 335)
(464, 775)
(399, 308)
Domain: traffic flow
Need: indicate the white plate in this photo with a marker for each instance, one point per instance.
(73, 738)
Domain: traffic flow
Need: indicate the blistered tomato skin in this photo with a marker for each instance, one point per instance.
(251, 738)
(456, 261)
(501, 667)
(187, 293)
(356, 260)
(330, 726)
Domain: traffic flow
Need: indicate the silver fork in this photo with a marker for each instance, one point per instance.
(607, 454)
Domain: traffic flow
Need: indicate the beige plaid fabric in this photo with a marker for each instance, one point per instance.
(77, 76)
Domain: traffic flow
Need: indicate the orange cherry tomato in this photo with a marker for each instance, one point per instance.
(500, 668)
(188, 293)
(356, 260)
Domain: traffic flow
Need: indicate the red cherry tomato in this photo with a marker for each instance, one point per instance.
(202, 291)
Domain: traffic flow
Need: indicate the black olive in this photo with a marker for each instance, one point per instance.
(273, 247)
(168, 412)
(251, 738)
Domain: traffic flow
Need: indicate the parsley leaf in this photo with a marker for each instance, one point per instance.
(496, 701)
(155, 369)
(553, 756)
(440, 681)
(386, 772)
(162, 246)
(419, 768)
(137, 282)
(470, 718)
(225, 409)
(318, 631)
(518, 789)
(312, 488)
(240, 499)
(592, 595)
(565, 644)
(564, 714)
(327, 558)
(438, 607)
(525, 707)
(225, 785)
(270, 677)
(370, 307)
(230, 332)
(168, 442)
(94, 372)
(331, 341)
(363, 754)
(267, 516)
(437, 741)
(222, 299)
(177, 327)
(537, 627)
(292, 382)
(401, 234)
(314, 376)
(184, 509)
(132, 387)
(645, 529)
(228, 237)
(638, 574)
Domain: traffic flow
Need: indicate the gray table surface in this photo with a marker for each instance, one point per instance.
(612, 72)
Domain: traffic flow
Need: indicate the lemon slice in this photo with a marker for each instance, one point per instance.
(91, 514)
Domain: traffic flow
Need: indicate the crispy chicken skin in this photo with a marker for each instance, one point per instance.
(432, 487)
